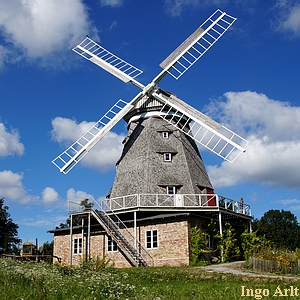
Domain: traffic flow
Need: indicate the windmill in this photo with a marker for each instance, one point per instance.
(160, 173)
(151, 101)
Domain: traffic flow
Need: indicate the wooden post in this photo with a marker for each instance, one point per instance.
(71, 239)
(221, 234)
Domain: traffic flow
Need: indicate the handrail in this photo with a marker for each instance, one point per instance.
(165, 201)
(90, 206)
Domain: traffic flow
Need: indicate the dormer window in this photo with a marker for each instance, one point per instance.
(171, 190)
(165, 134)
(167, 156)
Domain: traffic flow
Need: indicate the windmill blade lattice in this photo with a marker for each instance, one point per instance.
(194, 47)
(207, 132)
(204, 130)
(68, 159)
(97, 54)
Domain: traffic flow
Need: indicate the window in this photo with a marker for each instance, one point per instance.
(167, 156)
(165, 134)
(151, 239)
(171, 190)
(111, 245)
(77, 246)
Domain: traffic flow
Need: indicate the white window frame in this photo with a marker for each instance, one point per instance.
(209, 241)
(171, 190)
(77, 245)
(165, 134)
(111, 245)
(167, 156)
(152, 243)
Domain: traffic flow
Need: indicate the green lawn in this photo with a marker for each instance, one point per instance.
(43, 281)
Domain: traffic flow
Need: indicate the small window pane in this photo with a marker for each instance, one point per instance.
(111, 245)
(155, 239)
(171, 190)
(167, 157)
(151, 239)
(165, 134)
(77, 246)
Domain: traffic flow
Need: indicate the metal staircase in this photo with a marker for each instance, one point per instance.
(121, 235)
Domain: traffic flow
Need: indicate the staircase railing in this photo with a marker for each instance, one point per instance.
(134, 251)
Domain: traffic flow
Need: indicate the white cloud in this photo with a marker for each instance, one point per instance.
(292, 22)
(44, 221)
(272, 128)
(49, 196)
(292, 204)
(11, 187)
(77, 195)
(38, 28)
(9, 142)
(113, 3)
(103, 156)
(289, 16)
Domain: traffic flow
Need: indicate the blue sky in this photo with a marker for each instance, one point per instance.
(249, 81)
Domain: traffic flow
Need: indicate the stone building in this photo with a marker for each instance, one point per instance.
(161, 190)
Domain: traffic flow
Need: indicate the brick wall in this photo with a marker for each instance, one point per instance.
(173, 245)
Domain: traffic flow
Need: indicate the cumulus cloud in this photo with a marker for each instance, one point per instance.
(103, 156)
(11, 187)
(272, 128)
(10, 142)
(77, 195)
(49, 196)
(38, 28)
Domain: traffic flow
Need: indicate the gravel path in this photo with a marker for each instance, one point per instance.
(236, 269)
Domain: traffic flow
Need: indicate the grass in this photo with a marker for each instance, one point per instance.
(31, 280)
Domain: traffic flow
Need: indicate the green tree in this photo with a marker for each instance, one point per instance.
(9, 241)
(228, 244)
(252, 243)
(47, 248)
(197, 244)
(280, 227)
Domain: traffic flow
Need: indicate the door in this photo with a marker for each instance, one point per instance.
(178, 200)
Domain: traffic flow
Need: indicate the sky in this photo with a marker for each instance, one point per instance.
(248, 81)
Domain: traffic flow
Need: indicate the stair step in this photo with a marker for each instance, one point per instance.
(113, 229)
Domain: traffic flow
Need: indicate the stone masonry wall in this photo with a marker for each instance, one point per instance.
(173, 245)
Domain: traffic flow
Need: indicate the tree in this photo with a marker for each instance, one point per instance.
(9, 240)
(252, 243)
(47, 248)
(280, 227)
(228, 244)
(197, 244)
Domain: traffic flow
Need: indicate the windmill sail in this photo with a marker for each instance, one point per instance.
(108, 61)
(75, 153)
(206, 131)
(210, 134)
(184, 56)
